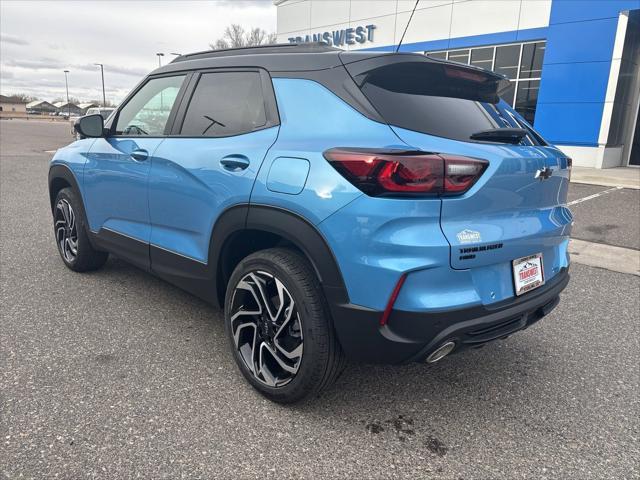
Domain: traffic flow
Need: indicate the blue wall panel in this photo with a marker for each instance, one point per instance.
(576, 68)
(570, 123)
(564, 11)
(487, 39)
(523, 35)
(585, 41)
(575, 82)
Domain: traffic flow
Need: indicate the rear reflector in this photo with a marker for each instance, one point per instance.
(392, 300)
(400, 172)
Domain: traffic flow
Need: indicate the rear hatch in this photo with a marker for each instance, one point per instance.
(516, 207)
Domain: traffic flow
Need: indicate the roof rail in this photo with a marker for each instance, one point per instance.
(305, 47)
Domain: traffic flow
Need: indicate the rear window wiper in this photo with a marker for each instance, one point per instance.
(501, 135)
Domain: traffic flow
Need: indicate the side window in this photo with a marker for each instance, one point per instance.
(225, 104)
(148, 110)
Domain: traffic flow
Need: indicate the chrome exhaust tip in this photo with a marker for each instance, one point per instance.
(441, 352)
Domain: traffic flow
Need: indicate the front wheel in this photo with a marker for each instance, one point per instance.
(70, 231)
(279, 327)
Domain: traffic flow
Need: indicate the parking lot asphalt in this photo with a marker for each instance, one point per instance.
(116, 374)
(612, 218)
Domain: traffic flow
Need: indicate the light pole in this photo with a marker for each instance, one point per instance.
(66, 83)
(160, 55)
(104, 97)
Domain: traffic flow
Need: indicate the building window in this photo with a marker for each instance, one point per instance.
(521, 63)
(460, 56)
(440, 55)
(507, 58)
(482, 57)
(527, 98)
(531, 63)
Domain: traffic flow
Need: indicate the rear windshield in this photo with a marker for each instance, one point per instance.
(442, 100)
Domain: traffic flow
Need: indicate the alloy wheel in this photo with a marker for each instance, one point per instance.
(266, 328)
(66, 230)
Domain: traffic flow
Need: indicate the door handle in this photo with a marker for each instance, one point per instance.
(140, 155)
(234, 163)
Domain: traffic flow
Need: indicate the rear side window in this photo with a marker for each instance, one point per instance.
(225, 104)
(441, 100)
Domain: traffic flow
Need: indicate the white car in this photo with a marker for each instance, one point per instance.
(103, 111)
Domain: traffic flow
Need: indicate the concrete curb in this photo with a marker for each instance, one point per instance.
(609, 257)
(626, 177)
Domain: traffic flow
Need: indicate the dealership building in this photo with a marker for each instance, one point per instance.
(573, 65)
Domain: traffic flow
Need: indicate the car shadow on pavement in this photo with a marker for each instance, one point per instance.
(470, 378)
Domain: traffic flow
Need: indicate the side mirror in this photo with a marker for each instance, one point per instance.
(90, 126)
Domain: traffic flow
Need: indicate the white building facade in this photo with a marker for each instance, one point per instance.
(574, 65)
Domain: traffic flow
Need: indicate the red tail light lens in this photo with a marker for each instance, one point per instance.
(399, 172)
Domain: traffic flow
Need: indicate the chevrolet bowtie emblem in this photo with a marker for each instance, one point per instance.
(544, 174)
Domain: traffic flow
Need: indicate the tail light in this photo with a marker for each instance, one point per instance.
(399, 172)
(569, 166)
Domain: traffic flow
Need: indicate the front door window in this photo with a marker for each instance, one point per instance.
(146, 114)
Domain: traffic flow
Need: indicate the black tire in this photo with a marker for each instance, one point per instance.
(85, 258)
(322, 359)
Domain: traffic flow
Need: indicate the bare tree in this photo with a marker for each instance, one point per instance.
(99, 103)
(73, 100)
(236, 36)
(255, 37)
(220, 44)
(23, 97)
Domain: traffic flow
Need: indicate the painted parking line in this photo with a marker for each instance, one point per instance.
(595, 195)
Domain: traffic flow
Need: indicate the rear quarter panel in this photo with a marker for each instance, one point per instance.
(313, 119)
(374, 240)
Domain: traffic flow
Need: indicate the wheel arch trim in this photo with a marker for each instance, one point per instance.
(60, 171)
(288, 225)
(63, 172)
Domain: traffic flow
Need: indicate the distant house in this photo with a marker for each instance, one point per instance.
(86, 106)
(64, 107)
(12, 106)
(41, 107)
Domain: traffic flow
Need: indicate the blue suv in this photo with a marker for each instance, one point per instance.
(382, 207)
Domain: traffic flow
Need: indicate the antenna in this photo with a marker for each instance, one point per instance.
(405, 28)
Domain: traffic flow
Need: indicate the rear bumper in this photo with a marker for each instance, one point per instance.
(412, 336)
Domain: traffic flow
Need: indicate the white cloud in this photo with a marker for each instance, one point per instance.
(13, 39)
(41, 39)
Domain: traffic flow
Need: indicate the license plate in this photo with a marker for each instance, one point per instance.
(527, 273)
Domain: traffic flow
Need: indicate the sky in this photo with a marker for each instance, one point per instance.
(41, 39)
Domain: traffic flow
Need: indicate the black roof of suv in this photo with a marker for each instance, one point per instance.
(340, 71)
(286, 57)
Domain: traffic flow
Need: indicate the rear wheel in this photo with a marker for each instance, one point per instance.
(279, 328)
(70, 231)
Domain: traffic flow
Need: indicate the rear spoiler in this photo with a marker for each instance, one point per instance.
(419, 74)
